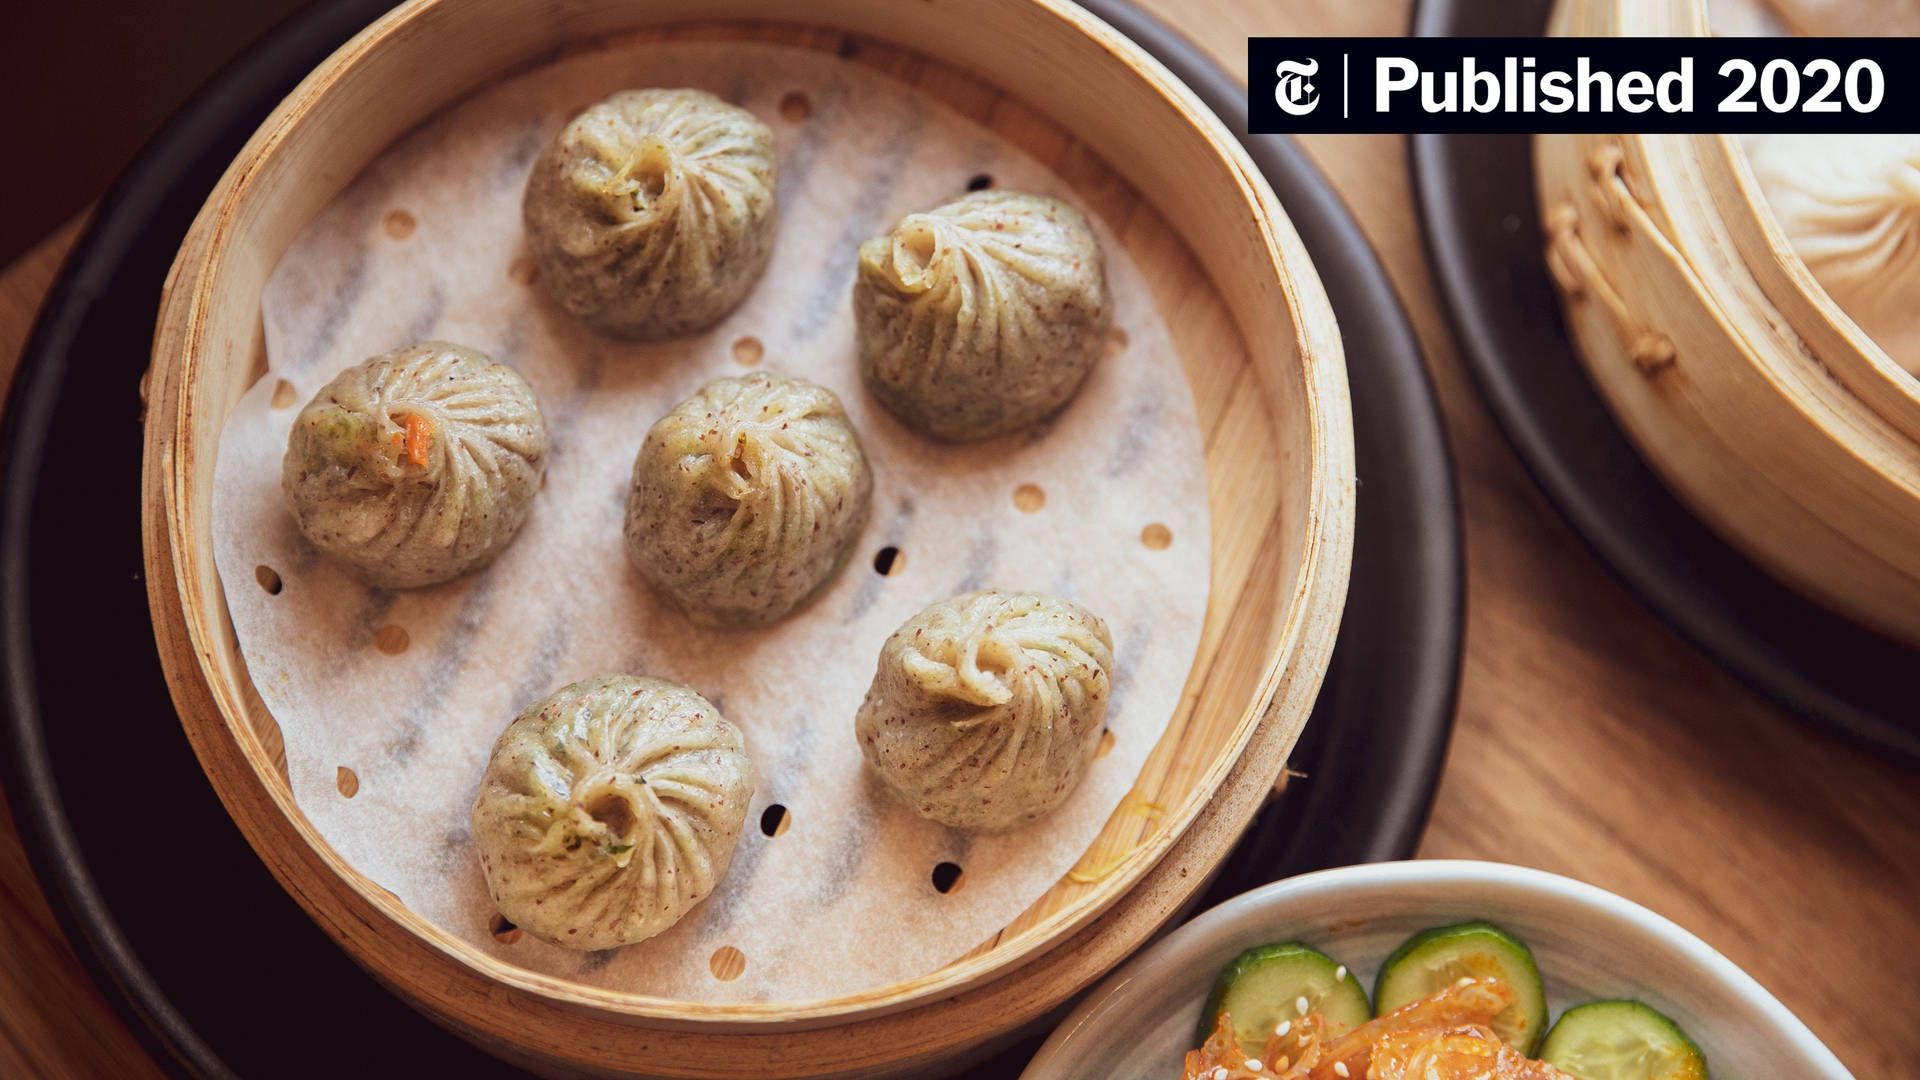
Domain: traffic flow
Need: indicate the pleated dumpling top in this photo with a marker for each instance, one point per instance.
(416, 466)
(987, 709)
(747, 498)
(609, 809)
(1850, 204)
(982, 316)
(652, 213)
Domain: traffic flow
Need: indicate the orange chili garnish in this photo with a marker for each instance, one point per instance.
(419, 438)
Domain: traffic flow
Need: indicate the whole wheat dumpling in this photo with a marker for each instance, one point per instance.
(652, 213)
(747, 498)
(987, 708)
(609, 809)
(416, 466)
(982, 316)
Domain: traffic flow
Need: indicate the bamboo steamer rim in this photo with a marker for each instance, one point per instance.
(1776, 426)
(1860, 363)
(1286, 683)
(1863, 365)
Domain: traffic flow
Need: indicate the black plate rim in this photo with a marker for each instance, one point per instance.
(117, 225)
(1746, 648)
(1433, 609)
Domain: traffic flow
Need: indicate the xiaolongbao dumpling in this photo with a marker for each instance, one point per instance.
(1851, 206)
(1745, 18)
(610, 809)
(982, 316)
(746, 498)
(417, 465)
(987, 708)
(652, 213)
(1850, 18)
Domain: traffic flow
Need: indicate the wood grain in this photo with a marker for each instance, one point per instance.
(1591, 741)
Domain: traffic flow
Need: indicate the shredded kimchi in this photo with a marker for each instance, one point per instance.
(1443, 1037)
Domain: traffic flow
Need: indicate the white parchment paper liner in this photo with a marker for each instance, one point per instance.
(843, 900)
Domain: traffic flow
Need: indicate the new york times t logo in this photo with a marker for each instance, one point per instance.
(1679, 85)
(1295, 93)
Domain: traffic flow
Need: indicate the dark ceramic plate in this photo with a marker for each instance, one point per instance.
(1476, 202)
(213, 966)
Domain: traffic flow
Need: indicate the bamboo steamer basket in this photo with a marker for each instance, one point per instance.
(1262, 354)
(1760, 402)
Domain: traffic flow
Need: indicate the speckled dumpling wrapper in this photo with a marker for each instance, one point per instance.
(981, 316)
(609, 809)
(652, 213)
(746, 498)
(416, 466)
(986, 709)
(840, 900)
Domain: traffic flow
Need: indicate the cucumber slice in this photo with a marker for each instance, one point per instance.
(1622, 1040)
(1264, 986)
(1432, 960)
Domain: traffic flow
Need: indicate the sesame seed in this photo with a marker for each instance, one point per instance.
(1340, 973)
(1340, 1068)
(1252, 1064)
(1219, 1072)
(1465, 980)
(1300, 1005)
(1285, 1026)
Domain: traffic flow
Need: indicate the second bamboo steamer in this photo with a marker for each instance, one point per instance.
(1755, 397)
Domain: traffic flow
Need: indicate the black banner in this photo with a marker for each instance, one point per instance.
(1583, 84)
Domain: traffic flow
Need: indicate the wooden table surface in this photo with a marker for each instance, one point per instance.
(1591, 740)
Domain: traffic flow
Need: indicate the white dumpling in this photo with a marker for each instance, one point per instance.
(1745, 18)
(609, 809)
(987, 709)
(1849, 18)
(1850, 204)
(416, 466)
(652, 213)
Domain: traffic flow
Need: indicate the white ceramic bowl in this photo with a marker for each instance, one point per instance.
(1590, 945)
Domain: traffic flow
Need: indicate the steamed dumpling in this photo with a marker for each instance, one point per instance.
(987, 708)
(1745, 18)
(1851, 206)
(610, 809)
(1850, 18)
(747, 498)
(652, 213)
(416, 466)
(982, 316)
